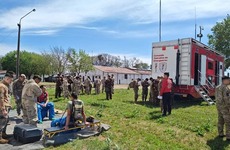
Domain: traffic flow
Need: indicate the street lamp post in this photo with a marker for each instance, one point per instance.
(18, 46)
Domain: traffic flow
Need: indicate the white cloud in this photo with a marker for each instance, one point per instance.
(40, 32)
(62, 13)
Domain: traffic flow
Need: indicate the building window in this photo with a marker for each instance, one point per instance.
(210, 65)
(126, 76)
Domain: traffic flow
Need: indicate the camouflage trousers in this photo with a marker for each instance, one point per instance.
(18, 106)
(3, 122)
(97, 89)
(135, 95)
(224, 120)
(29, 112)
(144, 94)
(87, 90)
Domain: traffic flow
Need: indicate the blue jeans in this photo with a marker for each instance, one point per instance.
(60, 122)
(42, 111)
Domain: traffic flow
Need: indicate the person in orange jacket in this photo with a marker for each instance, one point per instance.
(165, 92)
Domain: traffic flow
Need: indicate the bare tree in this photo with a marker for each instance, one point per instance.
(59, 59)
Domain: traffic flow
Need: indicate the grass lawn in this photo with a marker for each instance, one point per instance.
(192, 124)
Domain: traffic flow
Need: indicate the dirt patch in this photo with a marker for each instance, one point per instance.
(120, 86)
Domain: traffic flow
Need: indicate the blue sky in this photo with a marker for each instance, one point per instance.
(121, 28)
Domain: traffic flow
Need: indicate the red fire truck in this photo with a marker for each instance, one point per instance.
(194, 67)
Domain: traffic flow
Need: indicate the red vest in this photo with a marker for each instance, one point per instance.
(166, 86)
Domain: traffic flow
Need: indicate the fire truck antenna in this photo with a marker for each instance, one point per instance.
(195, 23)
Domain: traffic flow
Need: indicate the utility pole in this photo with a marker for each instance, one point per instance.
(18, 45)
(160, 21)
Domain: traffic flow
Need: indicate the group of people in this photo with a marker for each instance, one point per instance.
(161, 90)
(31, 99)
(65, 85)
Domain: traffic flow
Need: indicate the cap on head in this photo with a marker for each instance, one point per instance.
(225, 78)
(9, 74)
(23, 75)
(37, 77)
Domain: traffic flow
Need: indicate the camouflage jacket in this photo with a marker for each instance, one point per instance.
(222, 94)
(145, 85)
(135, 85)
(17, 88)
(108, 84)
(4, 96)
(31, 90)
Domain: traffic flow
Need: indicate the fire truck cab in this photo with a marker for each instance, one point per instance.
(194, 67)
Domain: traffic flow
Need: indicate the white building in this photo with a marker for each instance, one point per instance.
(122, 75)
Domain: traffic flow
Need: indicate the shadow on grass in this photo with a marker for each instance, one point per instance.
(155, 115)
(176, 104)
(143, 103)
(218, 144)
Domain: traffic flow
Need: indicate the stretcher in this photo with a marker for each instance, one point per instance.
(50, 132)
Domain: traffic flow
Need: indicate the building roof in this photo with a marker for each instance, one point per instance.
(144, 72)
(115, 70)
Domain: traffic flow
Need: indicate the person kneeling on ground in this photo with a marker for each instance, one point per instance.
(75, 113)
(43, 106)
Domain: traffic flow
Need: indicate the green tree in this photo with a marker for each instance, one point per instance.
(79, 61)
(142, 66)
(30, 63)
(220, 38)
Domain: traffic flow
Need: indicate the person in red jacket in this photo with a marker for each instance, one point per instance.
(165, 92)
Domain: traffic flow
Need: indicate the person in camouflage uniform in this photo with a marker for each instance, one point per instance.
(76, 85)
(70, 82)
(30, 92)
(130, 85)
(108, 87)
(58, 87)
(103, 84)
(151, 90)
(17, 91)
(222, 94)
(113, 80)
(87, 85)
(145, 85)
(65, 86)
(136, 84)
(159, 80)
(4, 105)
(97, 85)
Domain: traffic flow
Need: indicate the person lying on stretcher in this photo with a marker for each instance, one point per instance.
(75, 114)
